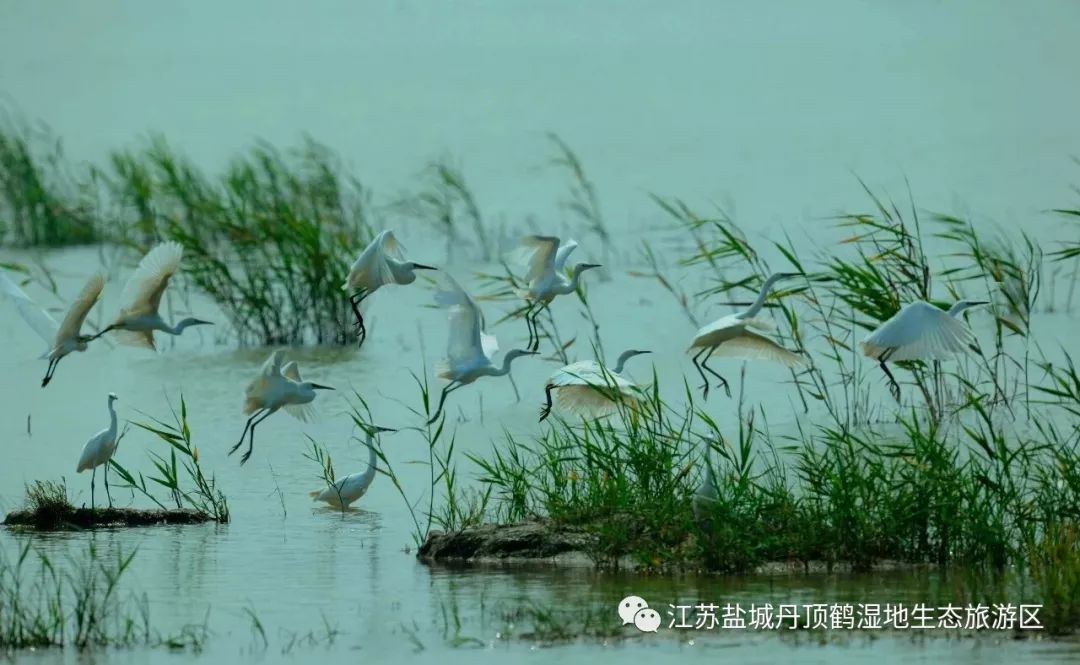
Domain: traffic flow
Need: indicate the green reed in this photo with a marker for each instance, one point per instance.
(77, 602)
(41, 202)
(202, 492)
(269, 240)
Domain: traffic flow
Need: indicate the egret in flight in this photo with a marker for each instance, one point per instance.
(99, 450)
(920, 331)
(547, 278)
(469, 351)
(731, 336)
(139, 317)
(590, 390)
(62, 338)
(349, 489)
(382, 262)
(275, 388)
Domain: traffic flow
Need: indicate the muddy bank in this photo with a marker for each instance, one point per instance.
(88, 518)
(545, 543)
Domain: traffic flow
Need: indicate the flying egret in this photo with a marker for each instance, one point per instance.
(546, 277)
(731, 336)
(469, 351)
(382, 262)
(589, 389)
(349, 489)
(276, 387)
(139, 318)
(62, 338)
(99, 450)
(920, 331)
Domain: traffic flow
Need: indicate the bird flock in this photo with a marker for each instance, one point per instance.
(586, 389)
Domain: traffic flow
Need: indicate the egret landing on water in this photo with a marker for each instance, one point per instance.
(62, 338)
(382, 262)
(276, 387)
(546, 278)
(590, 390)
(731, 336)
(349, 489)
(470, 349)
(99, 450)
(920, 331)
(139, 317)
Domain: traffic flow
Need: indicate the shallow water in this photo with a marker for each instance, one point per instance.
(768, 111)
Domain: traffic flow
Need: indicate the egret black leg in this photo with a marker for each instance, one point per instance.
(705, 379)
(49, 371)
(107, 493)
(251, 437)
(93, 476)
(244, 433)
(536, 312)
(450, 387)
(710, 370)
(355, 301)
(545, 410)
(894, 387)
(529, 326)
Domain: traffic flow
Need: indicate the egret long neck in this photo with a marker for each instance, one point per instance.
(505, 369)
(369, 472)
(112, 417)
(760, 302)
(621, 362)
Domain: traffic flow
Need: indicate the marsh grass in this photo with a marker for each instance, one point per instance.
(41, 203)
(269, 240)
(201, 493)
(79, 602)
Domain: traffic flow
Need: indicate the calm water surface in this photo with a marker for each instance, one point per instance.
(766, 109)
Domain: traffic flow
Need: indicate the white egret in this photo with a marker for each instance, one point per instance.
(590, 390)
(707, 494)
(382, 262)
(62, 338)
(547, 277)
(139, 317)
(469, 350)
(99, 450)
(920, 331)
(731, 336)
(275, 388)
(345, 491)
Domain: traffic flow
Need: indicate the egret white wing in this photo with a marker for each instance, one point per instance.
(38, 319)
(563, 253)
(291, 371)
(80, 307)
(751, 346)
(539, 253)
(142, 294)
(919, 331)
(302, 412)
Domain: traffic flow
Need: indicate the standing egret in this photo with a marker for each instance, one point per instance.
(276, 387)
(469, 351)
(353, 486)
(139, 318)
(99, 450)
(546, 277)
(920, 331)
(589, 389)
(731, 336)
(382, 262)
(707, 494)
(62, 338)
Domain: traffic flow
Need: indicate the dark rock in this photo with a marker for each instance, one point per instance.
(527, 540)
(87, 518)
